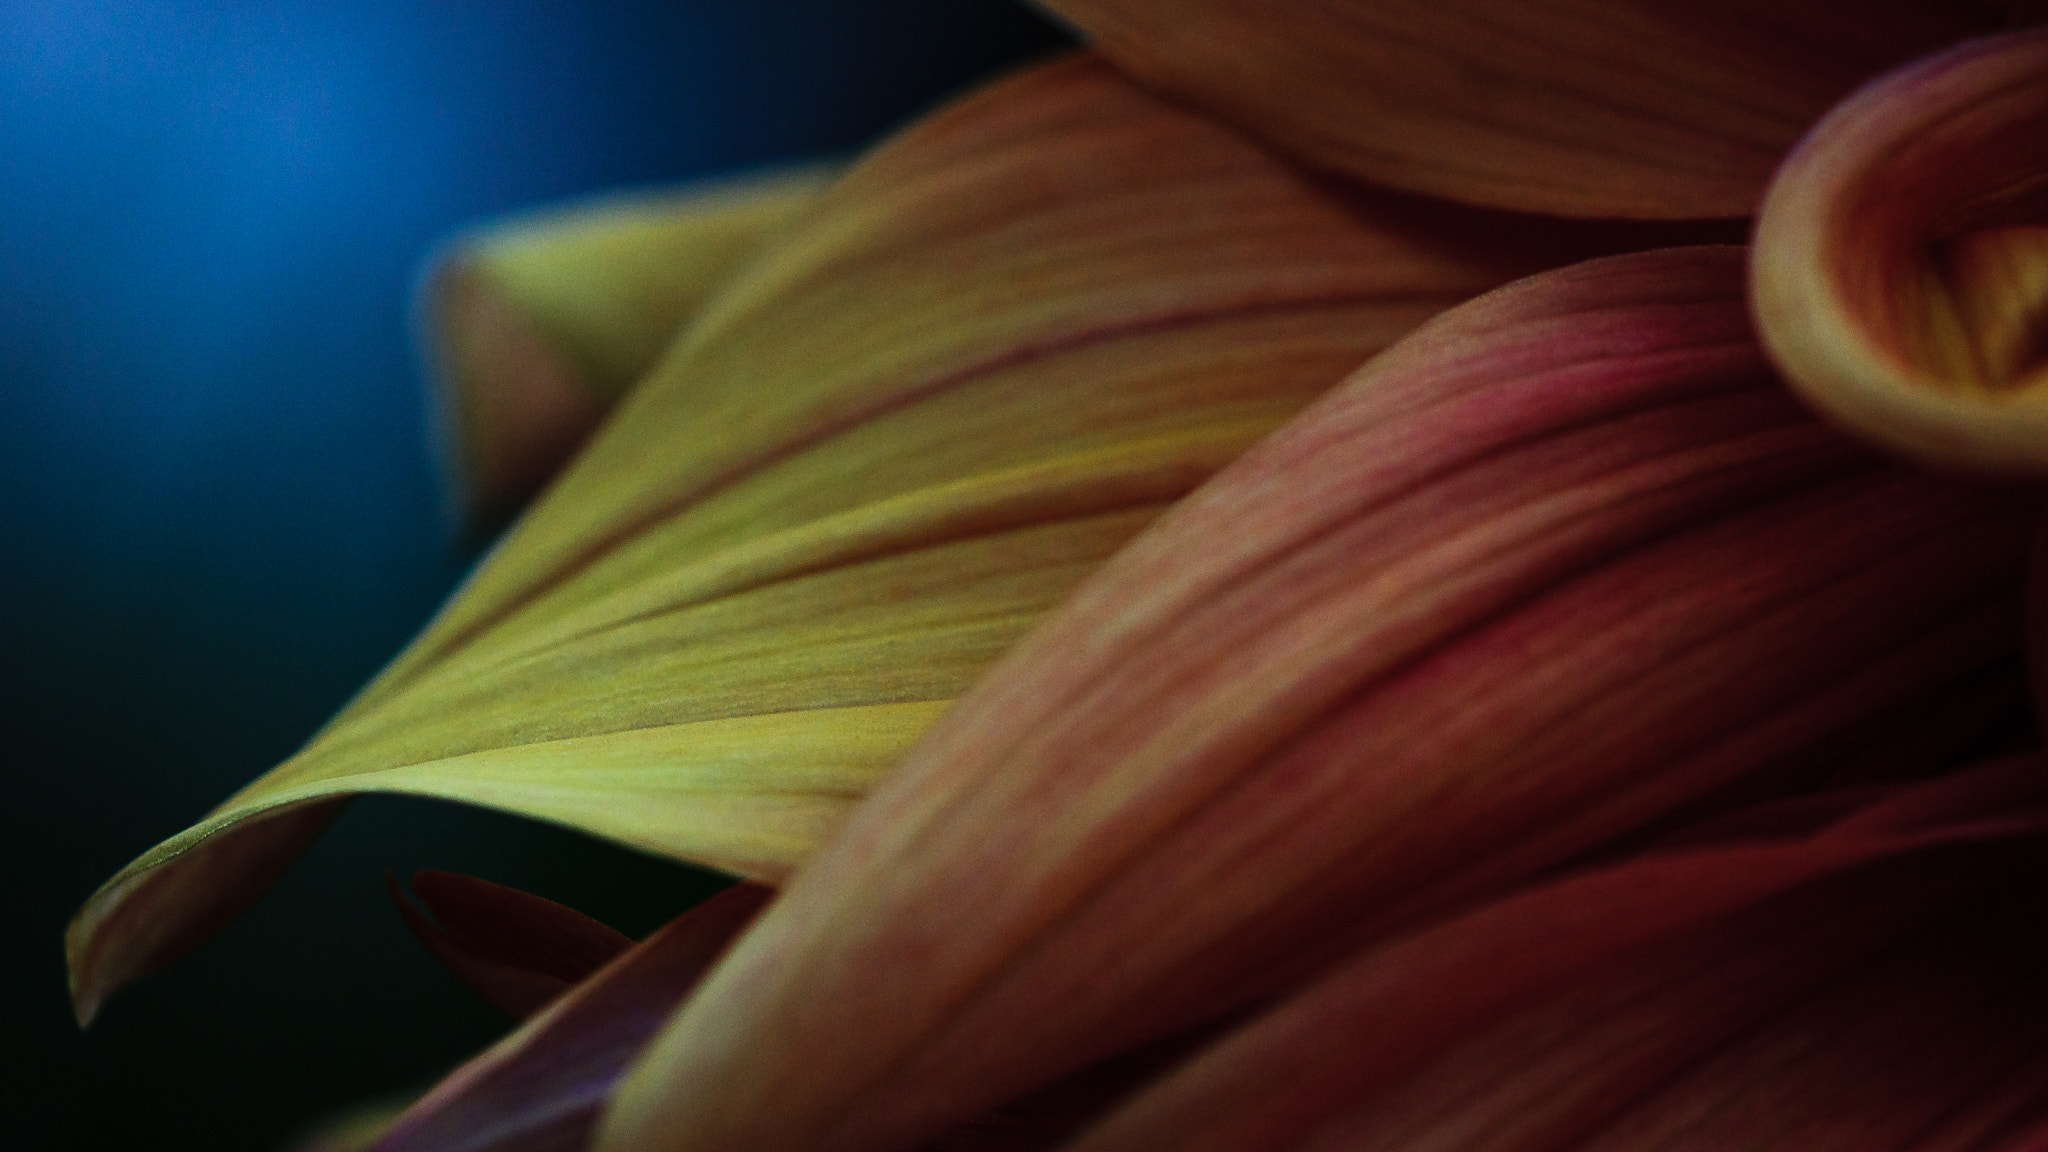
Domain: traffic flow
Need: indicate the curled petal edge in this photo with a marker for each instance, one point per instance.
(1900, 269)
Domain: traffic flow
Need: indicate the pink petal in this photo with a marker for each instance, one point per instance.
(1564, 568)
(1866, 986)
(532, 328)
(540, 1088)
(514, 949)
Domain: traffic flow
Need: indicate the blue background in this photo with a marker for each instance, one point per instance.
(218, 512)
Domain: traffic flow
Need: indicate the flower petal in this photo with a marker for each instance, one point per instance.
(995, 350)
(1564, 566)
(1573, 107)
(535, 327)
(1901, 275)
(1850, 989)
(514, 949)
(352, 1130)
(540, 1088)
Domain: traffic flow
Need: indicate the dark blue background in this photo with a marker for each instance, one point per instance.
(215, 498)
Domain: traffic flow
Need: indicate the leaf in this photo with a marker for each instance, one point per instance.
(994, 351)
(534, 327)
(1622, 108)
(516, 950)
(1874, 985)
(1901, 274)
(540, 1088)
(1563, 570)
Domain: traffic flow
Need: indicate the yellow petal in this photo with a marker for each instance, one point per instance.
(992, 353)
(1624, 108)
(1901, 262)
(536, 326)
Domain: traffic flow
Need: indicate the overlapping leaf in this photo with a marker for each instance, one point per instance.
(1624, 108)
(1564, 567)
(989, 355)
(1901, 272)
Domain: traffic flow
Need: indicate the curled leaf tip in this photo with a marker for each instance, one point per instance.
(1900, 275)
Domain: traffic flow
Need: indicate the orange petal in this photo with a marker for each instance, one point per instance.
(1564, 566)
(1573, 107)
(1901, 270)
(995, 350)
(535, 327)
(540, 1087)
(1876, 985)
(514, 949)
